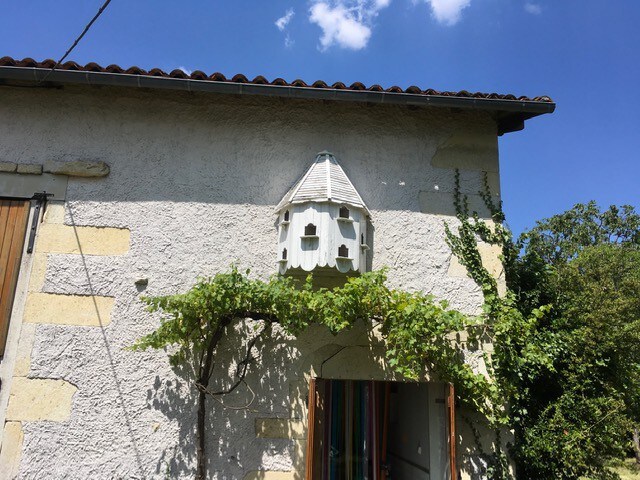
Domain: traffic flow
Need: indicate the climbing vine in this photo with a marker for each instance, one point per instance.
(417, 330)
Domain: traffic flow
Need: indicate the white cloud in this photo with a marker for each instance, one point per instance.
(448, 11)
(283, 21)
(345, 23)
(185, 70)
(533, 8)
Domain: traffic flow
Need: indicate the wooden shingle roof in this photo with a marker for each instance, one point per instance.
(324, 181)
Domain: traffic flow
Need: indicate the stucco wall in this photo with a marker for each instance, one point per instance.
(193, 183)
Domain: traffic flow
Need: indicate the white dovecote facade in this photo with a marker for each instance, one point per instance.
(322, 222)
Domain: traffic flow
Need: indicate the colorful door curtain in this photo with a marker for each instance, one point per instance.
(353, 422)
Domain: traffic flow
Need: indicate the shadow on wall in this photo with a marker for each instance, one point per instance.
(117, 382)
(261, 426)
(478, 444)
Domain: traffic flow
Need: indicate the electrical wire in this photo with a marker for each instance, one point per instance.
(86, 29)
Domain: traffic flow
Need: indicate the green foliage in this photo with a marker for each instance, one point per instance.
(566, 334)
(559, 239)
(419, 333)
(587, 264)
(555, 241)
(573, 437)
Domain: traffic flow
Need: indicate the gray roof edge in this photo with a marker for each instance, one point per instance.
(528, 108)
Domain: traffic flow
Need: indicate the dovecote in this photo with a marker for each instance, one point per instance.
(322, 222)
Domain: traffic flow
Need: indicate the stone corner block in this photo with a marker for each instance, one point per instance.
(73, 310)
(38, 272)
(11, 450)
(77, 168)
(280, 428)
(468, 151)
(70, 239)
(443, 203)
(54, 212)
(300, 455)
(23, 354)
(29, 169)
(37, 399)
(490, 255)
(270, 475)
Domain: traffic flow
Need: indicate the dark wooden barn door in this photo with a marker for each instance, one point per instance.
(13, 224)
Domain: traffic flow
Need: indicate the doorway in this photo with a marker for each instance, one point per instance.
(374, 430)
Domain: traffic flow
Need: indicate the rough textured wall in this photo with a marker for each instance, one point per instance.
(194, 180)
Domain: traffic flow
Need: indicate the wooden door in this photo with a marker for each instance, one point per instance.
(13, 225)
(315, 431)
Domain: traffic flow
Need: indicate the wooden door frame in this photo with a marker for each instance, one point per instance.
(451, 430)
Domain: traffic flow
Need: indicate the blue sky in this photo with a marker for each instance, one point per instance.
(582, 53)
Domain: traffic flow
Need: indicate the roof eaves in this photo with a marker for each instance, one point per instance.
(33, 72)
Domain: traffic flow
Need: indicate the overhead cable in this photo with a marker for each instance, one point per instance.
(86, 29)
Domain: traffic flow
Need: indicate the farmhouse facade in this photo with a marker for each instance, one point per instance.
(120, 183)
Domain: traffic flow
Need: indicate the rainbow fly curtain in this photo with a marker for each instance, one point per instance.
(355, 434)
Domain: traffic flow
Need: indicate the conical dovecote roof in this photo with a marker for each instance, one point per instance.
(324, 181)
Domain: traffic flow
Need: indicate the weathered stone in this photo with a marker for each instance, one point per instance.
(77, 310)
(468, 151)
(8, 167)
(56, 238)
(36, 399)
(11, 450)
(442, 203)
(38, 270)
(279, 428)
(29, 168)
(299, 455)
(54, 212)
(77, 168)
(270, 475)
(490, 255)
(25, 345)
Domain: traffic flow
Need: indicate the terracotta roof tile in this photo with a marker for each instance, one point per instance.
(199, 75)
(259, 80)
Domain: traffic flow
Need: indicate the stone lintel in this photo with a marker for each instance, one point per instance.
(8, 167)
(77, 168)
(29, 168)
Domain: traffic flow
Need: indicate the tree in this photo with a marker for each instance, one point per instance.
(586, 264)
(565, 333)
